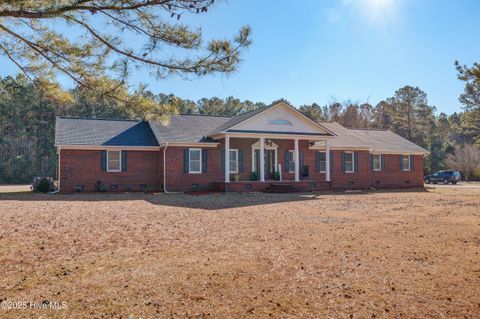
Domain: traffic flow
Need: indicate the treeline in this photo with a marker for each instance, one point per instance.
(27, 121)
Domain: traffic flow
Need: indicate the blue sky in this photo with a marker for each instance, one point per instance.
(321, 51)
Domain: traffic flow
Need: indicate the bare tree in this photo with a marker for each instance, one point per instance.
(466, 159)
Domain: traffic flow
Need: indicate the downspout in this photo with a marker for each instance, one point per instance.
(59, 170)
(165, 169)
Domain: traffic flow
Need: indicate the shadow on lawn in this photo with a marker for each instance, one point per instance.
(211, 201)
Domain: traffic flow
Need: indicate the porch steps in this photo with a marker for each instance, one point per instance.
(282, 188)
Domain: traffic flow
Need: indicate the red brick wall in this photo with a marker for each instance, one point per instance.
(358, 180)
(83, 167)
(392, 177)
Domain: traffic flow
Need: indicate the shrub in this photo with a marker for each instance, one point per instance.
(43, 186)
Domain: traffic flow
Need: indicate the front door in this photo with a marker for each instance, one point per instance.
(269, 163)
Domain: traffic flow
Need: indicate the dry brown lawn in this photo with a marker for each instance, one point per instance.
(369, 255)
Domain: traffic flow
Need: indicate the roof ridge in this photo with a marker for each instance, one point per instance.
(368, 129)
(209, 115)
(98, 119)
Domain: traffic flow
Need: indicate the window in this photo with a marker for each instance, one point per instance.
(406, 162)
(377, 162)
(114, 161)
(291, 161)
(281, 122)
(194, 160)
(349, 158)
(233, 161)
(322, 162)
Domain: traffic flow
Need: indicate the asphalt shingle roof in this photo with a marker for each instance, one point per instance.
(197, 128)
(102, 132)
(186, 128)
(377, 140)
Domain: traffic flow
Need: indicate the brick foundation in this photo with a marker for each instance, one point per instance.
(81, 169)
(145, 171)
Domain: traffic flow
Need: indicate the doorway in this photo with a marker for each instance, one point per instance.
(269, 161)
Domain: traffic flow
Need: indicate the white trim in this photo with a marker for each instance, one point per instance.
(353, 162)
(297, 161)
(379, 162)
(189, 144)
(190, 158)
(119, 161)
(107, 147)
(289, 108)
(409, 163)
(327, 164)
(59, 166)
(289, 162)
(262, 159)
(229, 158)
(273, 136)
(323, 172)
(256, 146)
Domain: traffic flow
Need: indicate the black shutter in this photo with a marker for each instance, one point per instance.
(223, 161)
(411, 163)
(401, 162)
(240, 161)
(301, 159)
(204, 161)
(317, 161)
(382, 159)
(331, 161)
(124, 161)
(287, 161)
(343, 162)
(355, 161)
(103, 160)
(371, 162)
(186, 156)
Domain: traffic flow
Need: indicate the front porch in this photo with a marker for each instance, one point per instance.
(273, 186)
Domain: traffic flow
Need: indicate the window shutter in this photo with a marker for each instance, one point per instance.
(204, 161)
(343, 162)
(222, 155)
(103, 160)
(301, 158)
(286, 166)
(382, 159)
(355, 161)
(331, 161)
(124, 161)
(411, 163)
(401, 162)
(317, 161)
(371, 162)
(186, 155)
(240, 161)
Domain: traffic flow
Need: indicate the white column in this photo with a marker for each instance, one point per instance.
(227, 159)
(297, 162)
(327, 161)
(262, 159)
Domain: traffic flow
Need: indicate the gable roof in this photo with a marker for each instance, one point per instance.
(103, 132)
(377, 140)
(186, 128)
(233, 121)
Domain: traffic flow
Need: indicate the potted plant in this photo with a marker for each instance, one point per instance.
(276, 176)
(253, 176)
(236, 177)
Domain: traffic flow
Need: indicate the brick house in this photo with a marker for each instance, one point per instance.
(262, 149)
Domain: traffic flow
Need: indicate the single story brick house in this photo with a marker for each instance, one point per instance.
(272, 146)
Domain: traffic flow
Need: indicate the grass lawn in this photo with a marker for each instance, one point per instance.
(412, 254)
